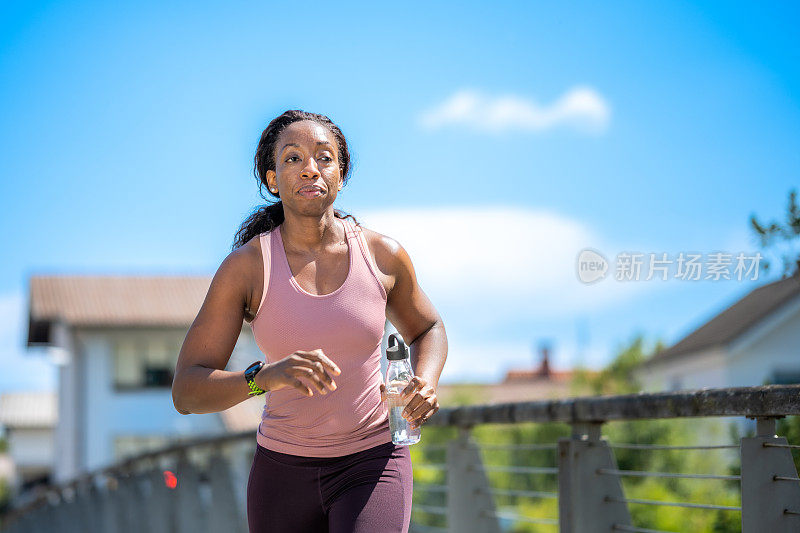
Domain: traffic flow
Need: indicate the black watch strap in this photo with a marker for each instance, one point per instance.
(249, 376)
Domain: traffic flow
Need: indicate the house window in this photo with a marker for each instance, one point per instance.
(127, 364)
(147, 362)
(158, 364)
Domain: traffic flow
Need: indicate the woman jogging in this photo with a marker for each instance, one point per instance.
(316, 288)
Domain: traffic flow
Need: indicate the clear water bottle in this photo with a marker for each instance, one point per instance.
(398, 374)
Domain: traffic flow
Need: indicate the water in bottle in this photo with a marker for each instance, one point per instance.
(398, 374)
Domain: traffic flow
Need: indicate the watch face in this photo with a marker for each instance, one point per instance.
(252, 369)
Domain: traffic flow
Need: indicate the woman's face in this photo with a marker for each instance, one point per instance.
(307, 174)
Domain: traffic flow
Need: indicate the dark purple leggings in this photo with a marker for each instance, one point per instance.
(364, 492)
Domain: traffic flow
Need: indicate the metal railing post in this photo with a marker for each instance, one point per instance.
(94, 508)
(109, 507)
(130, 495)
(226, 515)
(49, 516)
(45, 517)
(769, 482)
(83, 510)
(470, 507)
(70, 517)
(586, 499)
(240, 460)
(161, 508)
(192, 515)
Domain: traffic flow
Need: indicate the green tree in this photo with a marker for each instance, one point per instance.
(618, 377)
(783, 237)
(789, 427)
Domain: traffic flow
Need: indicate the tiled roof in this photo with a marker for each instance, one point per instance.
(451, 394)
(535, 374)
(736, 319)
(117, 300)
(28, 409)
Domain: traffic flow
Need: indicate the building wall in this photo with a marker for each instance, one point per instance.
(690, 371)
(68, 361)
(148, 412)
(767, 353)
(8, 471)
(31, 447)
(775, 354)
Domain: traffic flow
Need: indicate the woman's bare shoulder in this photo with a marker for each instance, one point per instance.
(392, 260)
(382, 247)
(379, 239)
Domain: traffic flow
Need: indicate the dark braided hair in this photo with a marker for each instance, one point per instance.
(268, 217)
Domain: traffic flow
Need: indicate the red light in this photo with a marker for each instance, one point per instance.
(170, 480)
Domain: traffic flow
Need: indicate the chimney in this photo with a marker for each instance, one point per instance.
(544, 366)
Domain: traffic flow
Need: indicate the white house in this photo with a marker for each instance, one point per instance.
(28, 420)
(116, 341)
(755, 341)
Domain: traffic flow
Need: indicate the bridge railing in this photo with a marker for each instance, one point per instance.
(585, 486)
(470, 481)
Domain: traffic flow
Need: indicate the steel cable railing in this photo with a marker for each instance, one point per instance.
(429, 507)
(635, 473)
(670, 447)
(674, 504)
(483, 475)
(649, 474)
(526, 476)
(531, 470)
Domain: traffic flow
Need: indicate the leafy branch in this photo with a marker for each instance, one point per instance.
(777, 233)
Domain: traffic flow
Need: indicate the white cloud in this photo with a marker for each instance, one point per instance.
(496, 275)
(500, 263)
(580, 108)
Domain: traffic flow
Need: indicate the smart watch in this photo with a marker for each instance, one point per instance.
(250, 376)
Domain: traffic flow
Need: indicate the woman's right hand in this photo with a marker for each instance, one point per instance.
(312, 366)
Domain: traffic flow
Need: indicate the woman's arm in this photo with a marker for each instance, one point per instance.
(412, 313)
(416, 319)
(201, 385)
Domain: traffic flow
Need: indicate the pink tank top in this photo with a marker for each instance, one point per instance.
(347, 324)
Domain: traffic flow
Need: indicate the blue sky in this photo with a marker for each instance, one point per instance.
(494, 142)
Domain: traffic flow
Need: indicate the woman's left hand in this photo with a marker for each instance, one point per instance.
(421, 401)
